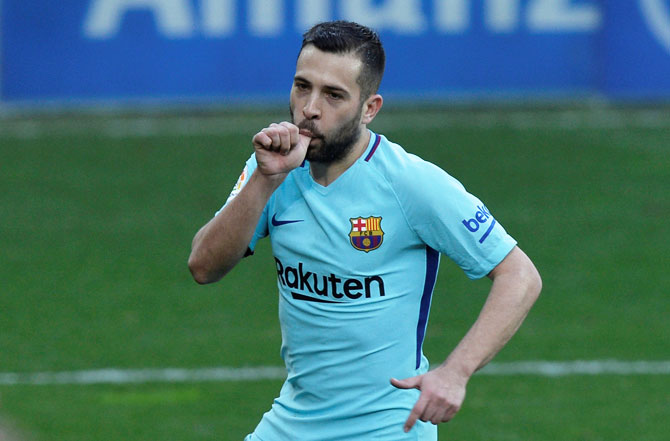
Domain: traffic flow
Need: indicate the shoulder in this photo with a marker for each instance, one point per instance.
(407, 172)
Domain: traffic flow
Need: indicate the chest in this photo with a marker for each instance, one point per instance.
(351, 228)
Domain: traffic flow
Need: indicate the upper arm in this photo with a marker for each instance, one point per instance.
(518, 266)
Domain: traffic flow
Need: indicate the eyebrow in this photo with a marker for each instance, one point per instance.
(328, 87)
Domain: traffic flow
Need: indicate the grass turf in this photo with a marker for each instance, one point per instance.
(96, 230)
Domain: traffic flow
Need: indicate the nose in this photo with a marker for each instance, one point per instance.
(312, 109)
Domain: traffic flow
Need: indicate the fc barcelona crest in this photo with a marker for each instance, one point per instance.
(366, 233)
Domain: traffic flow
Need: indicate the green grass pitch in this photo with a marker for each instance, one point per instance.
(97, 214)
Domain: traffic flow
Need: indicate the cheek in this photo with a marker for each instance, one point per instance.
(348, 118)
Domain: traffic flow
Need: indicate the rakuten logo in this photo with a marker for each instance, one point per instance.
(324, 288)
(482, 217)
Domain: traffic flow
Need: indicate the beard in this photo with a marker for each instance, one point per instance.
(327, 148)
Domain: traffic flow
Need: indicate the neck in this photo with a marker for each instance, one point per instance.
(326, 174)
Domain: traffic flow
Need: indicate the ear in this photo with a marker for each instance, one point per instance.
(371, 107)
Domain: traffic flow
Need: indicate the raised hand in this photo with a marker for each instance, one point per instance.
(280, 148)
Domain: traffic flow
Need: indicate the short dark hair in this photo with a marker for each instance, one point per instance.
(343, 37)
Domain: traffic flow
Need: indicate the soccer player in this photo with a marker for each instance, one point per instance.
(357, 227)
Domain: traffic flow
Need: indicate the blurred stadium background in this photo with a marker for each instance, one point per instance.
(125, 123)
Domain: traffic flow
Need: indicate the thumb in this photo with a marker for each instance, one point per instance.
(300, 148)
(407, 383)
(304, 139)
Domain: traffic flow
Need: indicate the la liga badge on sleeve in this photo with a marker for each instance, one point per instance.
(366, 233)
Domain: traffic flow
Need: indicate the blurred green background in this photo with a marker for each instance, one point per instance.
(97, 213)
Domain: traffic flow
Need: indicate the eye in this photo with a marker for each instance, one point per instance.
(335, 95)
(301, 86)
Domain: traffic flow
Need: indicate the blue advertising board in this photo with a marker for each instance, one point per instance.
(636, 50)
(222, 50)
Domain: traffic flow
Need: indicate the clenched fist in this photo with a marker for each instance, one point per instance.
(280, 148)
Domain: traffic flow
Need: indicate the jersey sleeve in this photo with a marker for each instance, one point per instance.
(451, 220)
(262, 226)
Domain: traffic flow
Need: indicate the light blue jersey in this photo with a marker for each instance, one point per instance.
(356, 264)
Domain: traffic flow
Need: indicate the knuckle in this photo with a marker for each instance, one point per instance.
(421, 417)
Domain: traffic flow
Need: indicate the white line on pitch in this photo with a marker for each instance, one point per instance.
(167, 375)
(578, 367)
(222, 374)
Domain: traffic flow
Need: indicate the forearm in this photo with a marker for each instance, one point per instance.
(511, 296)
(516, 285)
(223, 241)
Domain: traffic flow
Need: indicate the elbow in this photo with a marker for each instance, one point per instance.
(201, 272)
(201, 278)
(533, 283)
(529, 277)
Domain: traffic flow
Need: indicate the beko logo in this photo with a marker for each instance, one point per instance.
(481, 217)
(657, 15)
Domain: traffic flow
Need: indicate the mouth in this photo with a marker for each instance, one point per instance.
(307, 133)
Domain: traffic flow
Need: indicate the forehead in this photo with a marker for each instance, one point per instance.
(329, 69)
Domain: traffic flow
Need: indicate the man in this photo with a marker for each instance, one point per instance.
(357, 226)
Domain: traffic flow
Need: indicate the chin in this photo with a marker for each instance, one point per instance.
(314, 148)
(311, 154)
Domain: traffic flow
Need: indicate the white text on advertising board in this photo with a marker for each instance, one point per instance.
(178, 19)
(657, 15)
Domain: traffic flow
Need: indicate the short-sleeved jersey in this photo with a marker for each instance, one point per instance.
(356, 264)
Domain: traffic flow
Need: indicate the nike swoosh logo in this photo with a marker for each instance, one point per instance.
(276, 223)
